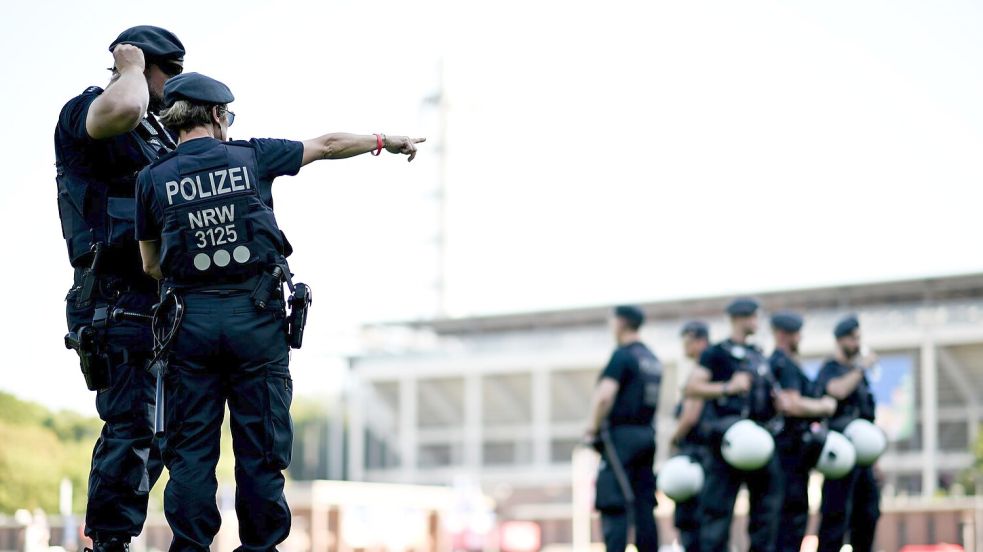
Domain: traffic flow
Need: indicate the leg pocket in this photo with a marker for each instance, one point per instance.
(279, 426)
(115, 403)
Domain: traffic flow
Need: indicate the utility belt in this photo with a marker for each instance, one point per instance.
(839, 423)
(711, 430)
(264, 288)
(106, 288)
(90, 344)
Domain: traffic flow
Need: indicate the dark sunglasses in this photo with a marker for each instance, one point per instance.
(170, 68)
(230, 117)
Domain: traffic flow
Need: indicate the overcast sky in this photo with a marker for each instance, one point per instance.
(596, 152)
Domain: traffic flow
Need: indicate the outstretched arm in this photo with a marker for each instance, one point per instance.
(124, 103)
(341, 145)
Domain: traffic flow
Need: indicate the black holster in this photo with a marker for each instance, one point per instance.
(93, 356)
(90, 278)
(300, 302)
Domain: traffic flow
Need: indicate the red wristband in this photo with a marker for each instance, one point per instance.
(378, 144)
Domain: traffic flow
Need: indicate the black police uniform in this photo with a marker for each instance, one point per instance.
(723, 481)
(95, 203)
(686, 516)
(630, 424)
(853, 502)
(788, 445)
(210, 205)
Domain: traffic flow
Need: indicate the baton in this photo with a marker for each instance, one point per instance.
(622, 478)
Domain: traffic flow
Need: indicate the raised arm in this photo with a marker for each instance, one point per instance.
(841, 387)
(341, 145)
(124, 103)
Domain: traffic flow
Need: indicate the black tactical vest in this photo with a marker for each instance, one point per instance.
(859, 404)
(217, 229)
(758, 403)
(98, 207)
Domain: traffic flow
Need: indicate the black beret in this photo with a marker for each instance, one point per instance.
(197, 88)
(154, 41)
(633, 315)
(786, 321)
(696, 328)
(846, 326)
(744, 306)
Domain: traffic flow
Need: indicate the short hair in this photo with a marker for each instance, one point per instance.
(186, 115)
(697, 329)
(846, 326)
(632, 315)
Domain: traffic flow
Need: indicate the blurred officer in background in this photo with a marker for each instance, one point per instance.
(103, 138)
(622, 420)
(853, 502)
(687, 439)
(728, 373)
(800, 409)
(206, 228)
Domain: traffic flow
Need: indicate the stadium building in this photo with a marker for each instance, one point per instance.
(501, 401)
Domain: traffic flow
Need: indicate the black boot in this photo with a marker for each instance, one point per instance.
(112, 544)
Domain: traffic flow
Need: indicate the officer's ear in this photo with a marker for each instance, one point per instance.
(217, 115)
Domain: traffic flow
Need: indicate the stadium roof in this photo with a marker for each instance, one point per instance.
(841, 297)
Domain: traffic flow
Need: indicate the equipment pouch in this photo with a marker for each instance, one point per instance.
(265, 288)
(122, 216)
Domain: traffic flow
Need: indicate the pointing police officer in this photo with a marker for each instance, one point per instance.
(686, 438)
(622, 419)
(799, 408)
(103, 138)
(206, 227)
(729, 376)
(850, 504)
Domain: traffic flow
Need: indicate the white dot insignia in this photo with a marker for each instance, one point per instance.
(202, 261)
(221, 257)
(241, 254)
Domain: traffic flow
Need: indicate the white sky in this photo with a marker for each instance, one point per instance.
(597, 152)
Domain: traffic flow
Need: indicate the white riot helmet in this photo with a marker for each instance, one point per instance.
(681, 478)
(868, 439)
(747, 446)
(837, 457)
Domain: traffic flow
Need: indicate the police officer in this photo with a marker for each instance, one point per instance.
(103, 138)
(686, 438)
(729, 380)
(206, 227)
(796, 402)
(853, 502)
(622, 418)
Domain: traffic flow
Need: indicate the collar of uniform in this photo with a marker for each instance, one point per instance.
(197, 145)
